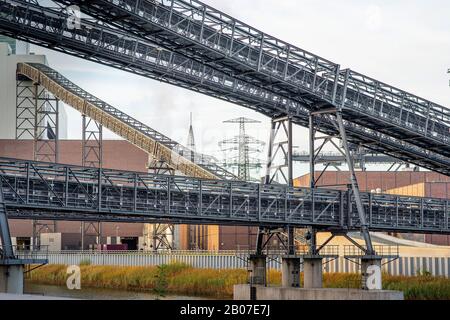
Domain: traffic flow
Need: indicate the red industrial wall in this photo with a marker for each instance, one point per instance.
(373, 180)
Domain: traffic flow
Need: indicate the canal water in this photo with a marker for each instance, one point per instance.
(98, 294)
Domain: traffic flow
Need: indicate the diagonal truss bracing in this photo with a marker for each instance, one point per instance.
(96, 41)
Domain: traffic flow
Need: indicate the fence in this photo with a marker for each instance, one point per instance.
(408, 266)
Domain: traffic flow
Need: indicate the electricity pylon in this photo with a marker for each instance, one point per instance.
(245, 146)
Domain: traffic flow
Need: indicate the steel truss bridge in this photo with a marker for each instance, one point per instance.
(156, 144)
(39, 190)
(191, 45)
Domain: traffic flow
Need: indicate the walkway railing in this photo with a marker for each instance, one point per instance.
(27, 252)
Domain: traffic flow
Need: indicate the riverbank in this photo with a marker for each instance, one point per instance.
(184, 280)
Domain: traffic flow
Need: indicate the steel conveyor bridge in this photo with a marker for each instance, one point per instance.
(151, 141)
(194, 46)
(39, 190)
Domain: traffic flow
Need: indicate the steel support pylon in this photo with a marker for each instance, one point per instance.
(161, 235)
(335, 116)
(279, 158)
(279, 164)
(6, 249)
(37, 119)
(92, 143)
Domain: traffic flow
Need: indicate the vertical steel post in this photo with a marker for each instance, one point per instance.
(135, 192)
(56, 133)
(313, 242)
(66, 186)
(289, 153)
(83, 140)
(270, 153)
(36, 108)
(91, 143)
(82, 235)
(312, 155)
(268, 180)
(28, 182)
(99, 195)
(312, 177)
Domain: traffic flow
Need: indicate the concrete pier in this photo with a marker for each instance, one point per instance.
(290, 271)
(11, 279)
(312, 272)
(242, 292)
(257, 269)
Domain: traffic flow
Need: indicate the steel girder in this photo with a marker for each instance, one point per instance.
(103, 44)
(63, 192)
(199, 31)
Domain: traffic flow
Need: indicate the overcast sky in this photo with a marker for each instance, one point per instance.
(405, 43)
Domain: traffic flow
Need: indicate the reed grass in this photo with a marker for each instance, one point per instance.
(178, 278)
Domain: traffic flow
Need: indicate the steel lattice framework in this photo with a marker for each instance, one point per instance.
(204, 33)
(245, 67)
(139, 134)
(61, 192)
